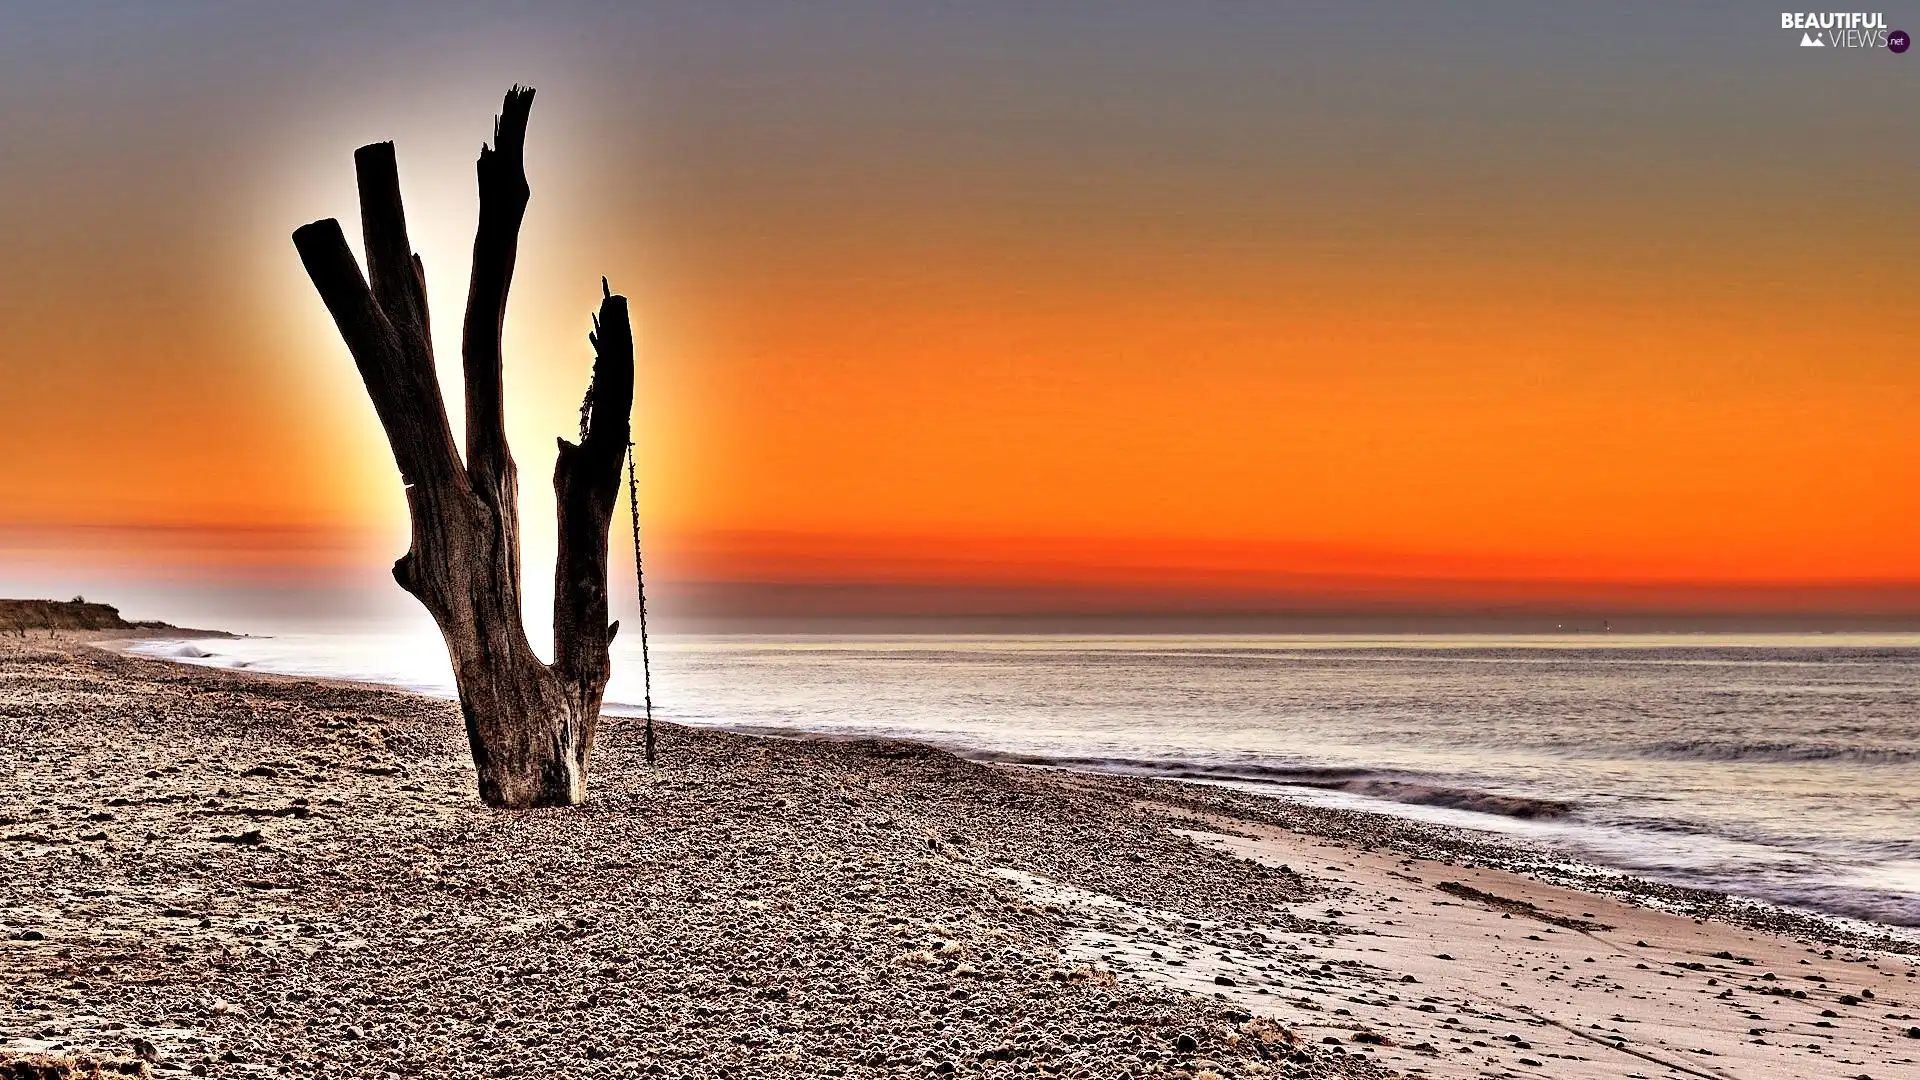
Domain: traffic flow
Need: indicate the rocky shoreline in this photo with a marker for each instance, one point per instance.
(242, 876)
(215, 873)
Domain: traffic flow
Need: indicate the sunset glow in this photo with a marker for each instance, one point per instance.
(1203, 324)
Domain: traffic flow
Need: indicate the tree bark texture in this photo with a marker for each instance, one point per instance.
(530, 725)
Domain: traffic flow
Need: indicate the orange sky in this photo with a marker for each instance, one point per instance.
(1121, 309)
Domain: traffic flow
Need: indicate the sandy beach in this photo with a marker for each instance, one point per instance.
(215, 873)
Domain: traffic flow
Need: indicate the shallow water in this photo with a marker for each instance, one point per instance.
(1774, 767)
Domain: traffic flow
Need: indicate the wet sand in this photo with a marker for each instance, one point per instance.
(212, 873)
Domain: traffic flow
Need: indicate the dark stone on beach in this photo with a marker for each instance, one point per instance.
(262, 771)
(49, 1067)
(32, 935)
(1222, 980)
(1186, 1044)
(250, 838)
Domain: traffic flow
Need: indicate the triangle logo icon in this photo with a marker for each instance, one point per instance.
(1808, 41)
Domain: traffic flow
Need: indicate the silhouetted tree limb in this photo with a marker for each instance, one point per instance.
(502, 176)
(586, 482)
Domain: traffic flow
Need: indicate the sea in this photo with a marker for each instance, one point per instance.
(1778, 768)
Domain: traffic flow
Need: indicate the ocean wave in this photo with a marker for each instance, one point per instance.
(1173, 769)
(1524, 807)
(1772, 752)
(171, 650)
(1882, 906)
(1321, 778)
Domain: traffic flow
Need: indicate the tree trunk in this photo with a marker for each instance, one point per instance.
(530, 725)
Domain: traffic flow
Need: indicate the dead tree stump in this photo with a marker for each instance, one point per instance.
(530, 725)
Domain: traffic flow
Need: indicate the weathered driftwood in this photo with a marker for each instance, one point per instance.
(530, 725)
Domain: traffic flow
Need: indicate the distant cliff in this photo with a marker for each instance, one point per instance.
(74, 614)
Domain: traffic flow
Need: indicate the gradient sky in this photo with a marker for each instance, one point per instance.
(1096, 306)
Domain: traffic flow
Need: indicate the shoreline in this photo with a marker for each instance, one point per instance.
(283, 864)
(1488, 844)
